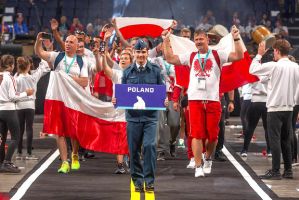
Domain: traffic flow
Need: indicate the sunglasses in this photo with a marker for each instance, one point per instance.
(79, 32)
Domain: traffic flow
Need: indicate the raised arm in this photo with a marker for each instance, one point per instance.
(238, 54)
(124, 42)
(258, 69)
(97, 56)
(107, 68)
(168, 53)
(109, 60)
(38, 49)
(56, 34)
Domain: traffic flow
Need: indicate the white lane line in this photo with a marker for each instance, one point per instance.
(246, 175)
(25, 186)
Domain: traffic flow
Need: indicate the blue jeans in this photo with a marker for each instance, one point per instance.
(142, 134)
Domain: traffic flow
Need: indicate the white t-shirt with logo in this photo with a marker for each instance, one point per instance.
(74, 69)
(209, 77)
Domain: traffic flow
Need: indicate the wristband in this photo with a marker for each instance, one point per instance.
(231, 101)
(237, 39)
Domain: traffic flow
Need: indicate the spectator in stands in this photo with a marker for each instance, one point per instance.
(90, 30)
(76, 25)
(204, 24)
(265, 21)
(63, 27)
(210, 17)
(236, 19)
(97, 26)
(250, 26)
(290, 8)
(31, 31)
(281, 30)
(20, 27)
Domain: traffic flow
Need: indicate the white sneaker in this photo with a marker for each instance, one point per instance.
(31, 157)
(19, 156)
(191, 164)
(199, 172)
(207, 166)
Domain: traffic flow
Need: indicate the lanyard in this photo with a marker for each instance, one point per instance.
(205, 60)
(167, 67)
(68, 67)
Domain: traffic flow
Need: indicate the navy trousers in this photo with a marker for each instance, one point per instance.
(142, 135)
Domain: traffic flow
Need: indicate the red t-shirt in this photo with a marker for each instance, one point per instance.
(103, 85)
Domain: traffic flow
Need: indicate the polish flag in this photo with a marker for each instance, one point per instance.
(71, 112)
(233, 75)
(140, 26)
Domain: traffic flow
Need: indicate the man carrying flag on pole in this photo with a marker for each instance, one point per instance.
(203, 92)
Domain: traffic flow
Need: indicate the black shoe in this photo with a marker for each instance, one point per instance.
(9, 167)
(288, 174)
(161, 156)
(172, 150)
(81, 158)
(139, 188)
(271, 175)
(120, 169)
(219, 156)
(89, 154)
(150, 188)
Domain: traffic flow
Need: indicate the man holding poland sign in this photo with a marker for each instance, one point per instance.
(142, 124)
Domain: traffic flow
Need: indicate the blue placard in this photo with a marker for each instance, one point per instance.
(140, 96)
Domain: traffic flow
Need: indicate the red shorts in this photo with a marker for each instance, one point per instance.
(204, 119)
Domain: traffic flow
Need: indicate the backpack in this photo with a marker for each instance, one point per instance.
(61, 56)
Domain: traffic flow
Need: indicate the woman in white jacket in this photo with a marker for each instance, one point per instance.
(26, 106)
(8, 114)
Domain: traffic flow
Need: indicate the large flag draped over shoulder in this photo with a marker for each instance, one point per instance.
(140, 26)
(71, 112)
(233, 75)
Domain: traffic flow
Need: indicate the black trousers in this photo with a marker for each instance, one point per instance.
(221, 126)
(280, 133)
(9, 121)
(243, 114)
(255, 111)
(294, 140)
(26, 117)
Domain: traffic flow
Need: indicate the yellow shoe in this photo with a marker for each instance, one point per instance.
(134, 195)
(75, 162)
(65, 167)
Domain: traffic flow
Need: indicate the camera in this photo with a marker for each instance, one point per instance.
(102, 46)
(47, 36)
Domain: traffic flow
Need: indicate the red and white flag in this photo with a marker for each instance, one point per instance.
(71, 112)
(140, 26)
(233, 75)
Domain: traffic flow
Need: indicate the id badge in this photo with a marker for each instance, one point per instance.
(201, 83)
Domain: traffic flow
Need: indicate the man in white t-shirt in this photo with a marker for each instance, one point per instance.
(203, 92)
(76, 67)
